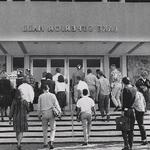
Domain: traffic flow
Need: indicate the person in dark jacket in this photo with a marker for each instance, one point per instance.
(49, 82)
(128, 96)
(6, 90)
(19, 110)
(144, 87)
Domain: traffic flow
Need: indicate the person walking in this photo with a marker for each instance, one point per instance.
(48, 81)
(103, 96)
(77, 73)
(60, 90)
(144, 87)
(19, 110)
(140, 108)
(128, 96)
(6, 95)
(79, 88)
(85, 108)
(27, 92)
(46, 102)
(92, 83)
(58, 73)
(116, 86)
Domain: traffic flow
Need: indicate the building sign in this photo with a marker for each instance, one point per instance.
(69, 28)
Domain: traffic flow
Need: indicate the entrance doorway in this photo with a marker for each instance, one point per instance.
(68, 67)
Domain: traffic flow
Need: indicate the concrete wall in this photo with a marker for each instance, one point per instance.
(129, 21)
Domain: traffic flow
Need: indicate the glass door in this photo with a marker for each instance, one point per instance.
(93, 64)
(39, 65)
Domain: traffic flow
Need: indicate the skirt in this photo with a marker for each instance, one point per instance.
(61, 97)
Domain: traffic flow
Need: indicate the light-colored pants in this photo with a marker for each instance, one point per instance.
(86, 124)
(92, 90)
(116, 93)
(48, 117)
(104, 104)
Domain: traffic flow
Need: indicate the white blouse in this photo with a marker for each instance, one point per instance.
(60, 86)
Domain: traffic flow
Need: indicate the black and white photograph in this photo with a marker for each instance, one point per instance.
(75, 74)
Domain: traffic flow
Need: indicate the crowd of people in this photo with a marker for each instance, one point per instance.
(87, 90)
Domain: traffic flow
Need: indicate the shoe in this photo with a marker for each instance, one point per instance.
(144, 143)
(18, 147)
(108, 118)
(116, 109)
(126, 148)
(103, 119)
(51, 146)
(85, 144)
(45, 146)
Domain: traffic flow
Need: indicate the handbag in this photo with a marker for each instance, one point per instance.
(122, 123)
(56, 111)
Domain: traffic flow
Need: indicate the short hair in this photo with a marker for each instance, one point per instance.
(78, 78)
(89, 71)
(113, 65)
(45, 87)
(58, 70)
(44, 74)
(25, 80)
(97, 70)
(85, 92)
(49, 76)
(144, 73)
(60, 78)
(126, 80)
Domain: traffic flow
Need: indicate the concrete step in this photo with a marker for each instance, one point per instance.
(68, 131)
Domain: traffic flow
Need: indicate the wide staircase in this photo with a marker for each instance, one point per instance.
(69, 130)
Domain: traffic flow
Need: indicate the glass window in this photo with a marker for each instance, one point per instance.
(115, 60)
(75, 62)
(93, 63)
(39, 63)
(57, 63)
(18, 63)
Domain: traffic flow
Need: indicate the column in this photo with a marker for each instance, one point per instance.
(8, 64)
(26, 62)
(124, 65)
(105, 1)
(48, 65)
(84, 66)
(106, 66)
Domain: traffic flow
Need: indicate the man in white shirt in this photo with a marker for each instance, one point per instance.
(79, 88)
(58, 73)
(27, 92)
(85, 107)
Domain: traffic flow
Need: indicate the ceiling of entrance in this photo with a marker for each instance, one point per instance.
(74, 48)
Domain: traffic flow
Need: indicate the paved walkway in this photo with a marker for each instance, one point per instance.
(74, 147)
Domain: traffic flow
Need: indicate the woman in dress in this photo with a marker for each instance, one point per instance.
(60, 90)
(19, 110)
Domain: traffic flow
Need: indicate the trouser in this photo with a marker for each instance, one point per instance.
(86, 120)
(115, 94)
(128, 135)
(140, 118)
(48, 117)
(104, 104)
(92, 90)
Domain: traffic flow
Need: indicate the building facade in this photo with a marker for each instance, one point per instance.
(44, 35)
